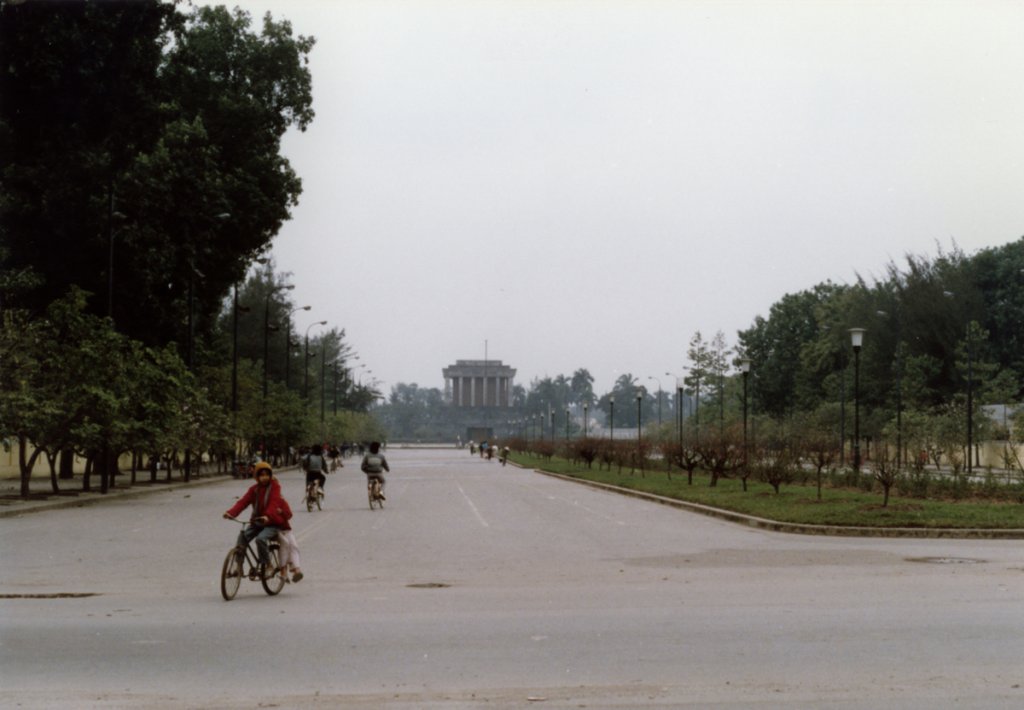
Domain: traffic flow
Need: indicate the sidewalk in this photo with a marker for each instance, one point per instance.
(42, 497)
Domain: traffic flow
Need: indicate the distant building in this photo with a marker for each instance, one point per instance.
(479, 383)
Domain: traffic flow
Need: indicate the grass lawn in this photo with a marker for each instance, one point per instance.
(797, 503)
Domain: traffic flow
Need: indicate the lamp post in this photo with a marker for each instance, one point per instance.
(857, 340)
(335, 398)
(652, 377)
(842, 416)
(586, 411)
(745, 369)
(266, 332)
(551, 419)
(639, 417)
(288, 343)
(680, 384)
(305, 381)
(323, 391)
(611, 417)
(567, 426)
(970, 406)
(899, 389)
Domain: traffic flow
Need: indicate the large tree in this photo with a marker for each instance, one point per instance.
(141, 150)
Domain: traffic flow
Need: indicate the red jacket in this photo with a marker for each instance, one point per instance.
(284, 515)
(265, 500)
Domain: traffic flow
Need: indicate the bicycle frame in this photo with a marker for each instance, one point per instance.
(242, 562)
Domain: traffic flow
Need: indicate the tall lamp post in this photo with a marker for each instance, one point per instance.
(288, 343)
(566, 426)
(652, 377)
(305, 381)
(234, 360)
(323, 392)
(970, 405)
(857, 340)
(745, 369)
(586, 409)
(611, 416)
(680, 384)
(266, 332)
(639, 417)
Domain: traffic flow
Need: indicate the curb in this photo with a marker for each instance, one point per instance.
(803, 528)
(21, 507)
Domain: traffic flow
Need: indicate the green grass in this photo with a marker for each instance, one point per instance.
(797, 503)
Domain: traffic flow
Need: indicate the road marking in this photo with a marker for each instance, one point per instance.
(574, 503)
(472, 507)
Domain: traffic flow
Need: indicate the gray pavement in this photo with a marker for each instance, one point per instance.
(479, 586)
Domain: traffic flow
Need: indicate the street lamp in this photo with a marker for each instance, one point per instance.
(585, 415)
(639, 417)
(745, 369)
(680, 384)
(305, 381)
(234, 358)
(899, 389)
(266, 332)
(652, 377)
(856, 339)
(611, 417)
(566, 426)
(288, 344)
(323, 391)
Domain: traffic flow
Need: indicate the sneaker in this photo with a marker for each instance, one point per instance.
(382, 496)
(320, 492)
(297, 577)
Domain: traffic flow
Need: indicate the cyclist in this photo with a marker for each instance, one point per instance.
(267, 519)
(314, 465)
(374, 465)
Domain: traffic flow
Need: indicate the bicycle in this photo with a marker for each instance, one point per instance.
(243, 562)
(373, 492)
(314, 496)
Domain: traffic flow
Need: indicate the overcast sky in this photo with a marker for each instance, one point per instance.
(586, 184)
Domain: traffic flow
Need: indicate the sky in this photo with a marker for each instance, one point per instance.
(561, 184)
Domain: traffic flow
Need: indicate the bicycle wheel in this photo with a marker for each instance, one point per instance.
(369, 494)
(309, 501)
(231, 573)
(276, 583)
(319, 501)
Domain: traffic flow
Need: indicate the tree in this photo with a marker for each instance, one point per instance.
(132, 129)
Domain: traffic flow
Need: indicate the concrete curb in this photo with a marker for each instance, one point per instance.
(19, 507)
(79, 500)
(800, 528)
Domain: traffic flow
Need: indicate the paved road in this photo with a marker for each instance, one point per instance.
(479, 586)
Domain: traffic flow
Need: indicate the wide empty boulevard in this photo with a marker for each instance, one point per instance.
(483, 586)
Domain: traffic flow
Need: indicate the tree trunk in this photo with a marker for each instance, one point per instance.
(87, 474)
(25, 464)
(104, 462)
(67, 464)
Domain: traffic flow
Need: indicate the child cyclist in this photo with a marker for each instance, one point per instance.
(374, 465)
(267, 519)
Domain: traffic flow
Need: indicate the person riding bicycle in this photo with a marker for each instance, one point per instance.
(267, 519)
(314, 465)
(374, 465)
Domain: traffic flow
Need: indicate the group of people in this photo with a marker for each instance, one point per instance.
(271, 514)
(489, 450)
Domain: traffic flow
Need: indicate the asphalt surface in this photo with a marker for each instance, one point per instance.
(482, 586)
